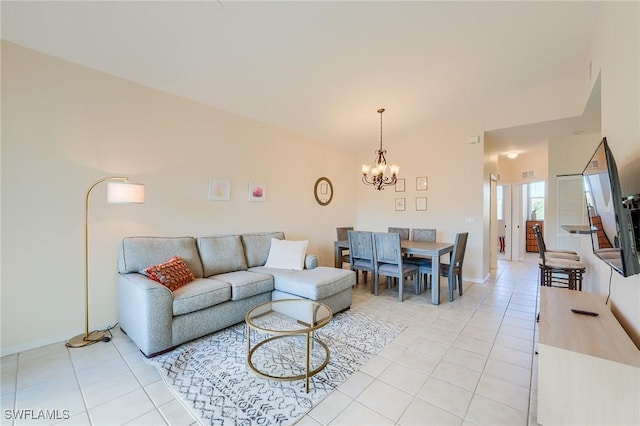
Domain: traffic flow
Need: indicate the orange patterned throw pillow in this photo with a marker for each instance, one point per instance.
(172, 274)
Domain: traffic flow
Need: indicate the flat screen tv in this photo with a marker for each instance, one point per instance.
(611, 221)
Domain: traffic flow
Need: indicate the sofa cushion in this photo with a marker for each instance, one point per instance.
(257, 245)
(314, 284)
(138, 253)
(286, 254)
(221, 254)
(200, 294)
(172, 274)
(246, 284)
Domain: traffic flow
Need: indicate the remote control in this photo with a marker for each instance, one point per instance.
(578, 311)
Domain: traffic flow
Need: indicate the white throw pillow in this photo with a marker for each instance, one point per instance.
(286, 254)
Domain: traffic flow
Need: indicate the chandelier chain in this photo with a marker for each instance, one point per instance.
(381, 110)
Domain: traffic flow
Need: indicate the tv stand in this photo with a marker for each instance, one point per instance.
(588, 367)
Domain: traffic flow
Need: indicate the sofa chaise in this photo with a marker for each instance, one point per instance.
(230, 278)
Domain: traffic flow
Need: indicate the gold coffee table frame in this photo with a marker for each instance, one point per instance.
(307, 316)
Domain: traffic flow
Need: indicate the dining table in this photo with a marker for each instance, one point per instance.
(433, 249)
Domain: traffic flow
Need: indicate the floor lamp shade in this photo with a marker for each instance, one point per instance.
(119, 190)
(124, 192)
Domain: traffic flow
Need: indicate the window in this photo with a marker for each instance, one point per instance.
(536, 200)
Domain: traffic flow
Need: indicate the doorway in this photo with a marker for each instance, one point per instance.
(521, 202)
(503, 213)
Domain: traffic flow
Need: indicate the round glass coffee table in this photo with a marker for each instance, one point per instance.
(285, 346)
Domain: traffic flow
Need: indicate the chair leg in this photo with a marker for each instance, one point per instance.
(580, 280)
(400, 296)
(375, 283)
(452, 283)
(460, 283)
(570, 280)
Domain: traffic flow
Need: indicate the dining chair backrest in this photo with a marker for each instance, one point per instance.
(386, 247)
(403, 232)
(360, 245)
(459, 247)
(342, 233)
(536, 229)
(539, 241)
(423, 234)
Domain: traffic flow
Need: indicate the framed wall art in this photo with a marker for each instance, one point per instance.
(323, 191)
(257, 192)
(421, 183)
(400, 185)
(219, 189)
(400, 204)
(421, 203)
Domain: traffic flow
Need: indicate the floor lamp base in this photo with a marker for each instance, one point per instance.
(83, 340)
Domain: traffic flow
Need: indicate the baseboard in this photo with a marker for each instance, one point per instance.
(476, 280)
(50, 340)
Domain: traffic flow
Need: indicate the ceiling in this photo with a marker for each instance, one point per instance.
(319, 69)
(533, 136)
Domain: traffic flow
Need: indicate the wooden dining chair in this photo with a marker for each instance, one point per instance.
(342, 235)
(403, 232)
(452, 270)
(361, 252)
(421, 234)
(388, 261)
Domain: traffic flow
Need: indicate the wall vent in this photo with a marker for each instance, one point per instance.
(593, 164)
(527, 174)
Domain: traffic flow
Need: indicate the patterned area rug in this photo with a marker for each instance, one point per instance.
(211, 376)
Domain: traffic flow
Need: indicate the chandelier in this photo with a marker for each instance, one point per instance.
(378, 176)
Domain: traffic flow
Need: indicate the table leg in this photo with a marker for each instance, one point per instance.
(248, 339)
(308, 362)
(435, 279)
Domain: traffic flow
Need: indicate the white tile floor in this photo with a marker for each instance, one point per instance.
(468, 362)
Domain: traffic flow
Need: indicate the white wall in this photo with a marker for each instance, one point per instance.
(535, 160)
(66, 126)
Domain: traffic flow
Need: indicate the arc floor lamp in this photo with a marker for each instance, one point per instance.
(119, 190)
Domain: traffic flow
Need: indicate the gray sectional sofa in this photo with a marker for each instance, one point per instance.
(230, 279)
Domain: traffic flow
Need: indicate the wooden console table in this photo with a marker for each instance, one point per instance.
(588, 367)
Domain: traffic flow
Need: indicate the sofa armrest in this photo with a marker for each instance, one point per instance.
(145, 312)
(310, 261)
